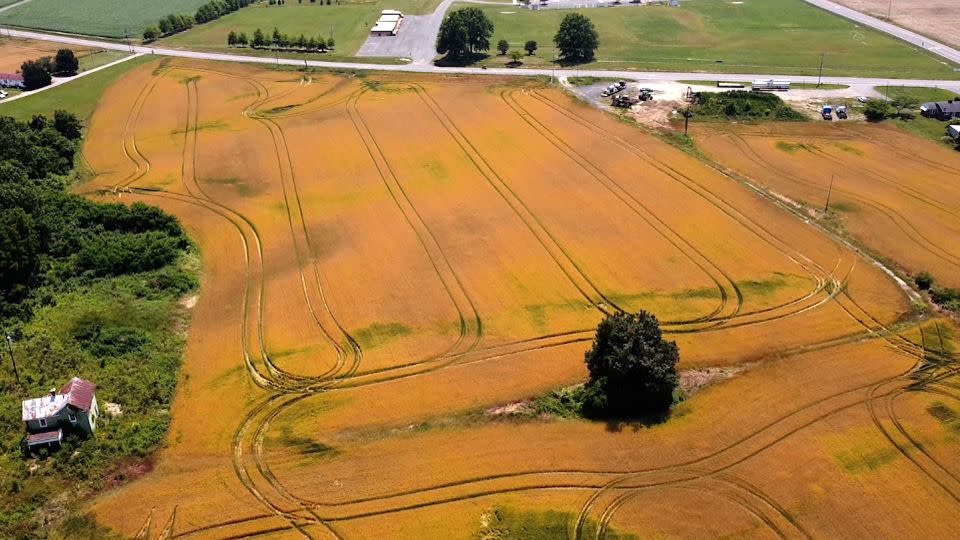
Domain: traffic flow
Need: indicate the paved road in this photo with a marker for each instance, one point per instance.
(429, 68)
(57, 81)
(923, 42)
(13, 5)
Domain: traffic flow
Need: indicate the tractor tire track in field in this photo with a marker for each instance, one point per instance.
(819, 274)
(896, 218)
(271, 410)
(532, 222)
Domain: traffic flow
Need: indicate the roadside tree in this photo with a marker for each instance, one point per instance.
(530, 47)
(876, 110)
(465, 31)
(503, 47)
(232, 39)
(577, 38)
(152, 33)
(65, 63)
(34, 75)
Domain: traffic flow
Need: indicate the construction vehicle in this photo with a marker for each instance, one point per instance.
(645, 95)
(842, 112)
(827, 112)
(624, 102)
(617, 87)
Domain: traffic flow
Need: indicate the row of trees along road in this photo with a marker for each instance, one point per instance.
(38, 73)
(466, 32)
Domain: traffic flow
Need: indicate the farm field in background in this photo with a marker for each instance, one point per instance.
(388, 258)
(107, 18)
(938, 19)
(886, 195)
(14, 52)
(773, 36)
(348, 24)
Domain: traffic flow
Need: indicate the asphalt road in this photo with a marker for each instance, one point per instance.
(923, 42)
(430, 68)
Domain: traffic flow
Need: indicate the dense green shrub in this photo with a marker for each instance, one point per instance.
(743, 105)
(924, 281)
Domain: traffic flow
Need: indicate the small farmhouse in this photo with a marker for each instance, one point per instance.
(71, 410)
(941, 110)
(11, 80)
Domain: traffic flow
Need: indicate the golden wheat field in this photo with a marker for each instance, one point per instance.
(388, 258)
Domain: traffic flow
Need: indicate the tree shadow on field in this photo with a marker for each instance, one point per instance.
(460, 61)
(635, 424)
(570, 62)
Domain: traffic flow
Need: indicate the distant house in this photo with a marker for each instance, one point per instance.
(12, 80)
(52, 417)
(941, 110)
(388, 24)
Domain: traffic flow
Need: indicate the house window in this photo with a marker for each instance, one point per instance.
(72, 418)
(43, 422)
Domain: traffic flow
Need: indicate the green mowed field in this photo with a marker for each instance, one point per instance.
(770, 36)
(108, 18)
(349, 23)
(919, 94)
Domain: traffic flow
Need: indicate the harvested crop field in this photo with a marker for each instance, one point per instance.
(891, 190)
(387, 257)
(939, 19)
(14, 52)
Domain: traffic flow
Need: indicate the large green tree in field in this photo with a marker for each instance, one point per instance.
(577, 38)
(632, 368)
(465, 31)
(65, 63)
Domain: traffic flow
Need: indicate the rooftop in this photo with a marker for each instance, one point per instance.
(77, 392)
(11, 76)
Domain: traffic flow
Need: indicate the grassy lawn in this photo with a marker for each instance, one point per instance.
(919, 94)
(780, 36)
(108, 18)
(79, 97)
(95, 59)
(349, 23)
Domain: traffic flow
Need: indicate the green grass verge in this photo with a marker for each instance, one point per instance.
(508, 523)
(918, 94)
(781, 36)
(108, 18)
(79, 96)
(95, 59)
(348, 23)
(587, 81)
(743, 105)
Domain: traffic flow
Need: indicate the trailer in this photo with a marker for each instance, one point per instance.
(614, 88)
(724, 84)
(770, 85)
(624, 102)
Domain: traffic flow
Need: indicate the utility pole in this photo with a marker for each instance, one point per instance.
(820, 75)
(826, 208)
(13, 359)
(889, 9)
(686, 120)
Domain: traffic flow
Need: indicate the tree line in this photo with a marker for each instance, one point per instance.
(466, 32)
(39, 73)
(280, 41)
(87, 289)
(172, 24)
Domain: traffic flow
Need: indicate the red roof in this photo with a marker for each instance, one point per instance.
(80, 393)
(45, 437)
(11, 76)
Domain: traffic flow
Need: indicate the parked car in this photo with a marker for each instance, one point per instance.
(863, 99)
(2, 94)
